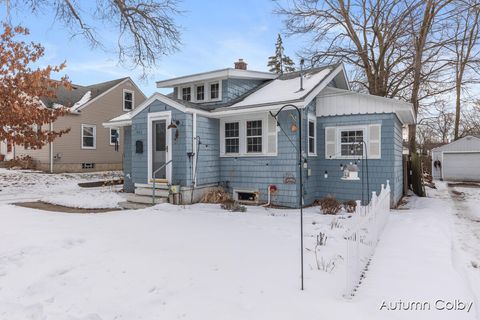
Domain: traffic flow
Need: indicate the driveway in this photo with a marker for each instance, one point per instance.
(466, 227)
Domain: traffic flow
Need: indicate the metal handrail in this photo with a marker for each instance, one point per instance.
(153, 177)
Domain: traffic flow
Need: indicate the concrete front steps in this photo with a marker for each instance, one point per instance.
(142, 198)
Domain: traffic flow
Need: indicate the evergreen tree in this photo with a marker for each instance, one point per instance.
(280, 63)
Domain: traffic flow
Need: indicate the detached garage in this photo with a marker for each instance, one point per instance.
(457, 161)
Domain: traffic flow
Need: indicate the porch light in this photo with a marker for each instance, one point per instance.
(173, 124)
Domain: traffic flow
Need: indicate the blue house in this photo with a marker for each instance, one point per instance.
(218, 129)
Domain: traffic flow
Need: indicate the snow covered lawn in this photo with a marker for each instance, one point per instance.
(200, 262)
(61, 189)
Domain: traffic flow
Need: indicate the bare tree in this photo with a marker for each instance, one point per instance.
(146, 28)
(465, 48)
(437, 122)
(394, 45)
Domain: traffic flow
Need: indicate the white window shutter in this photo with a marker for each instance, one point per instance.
(272, 135)
(330, 142)
(375, 141)
(222, 137)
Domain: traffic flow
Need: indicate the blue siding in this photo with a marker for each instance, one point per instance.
(256, 173)
(389, 167)
(208, 169)
(181, 144)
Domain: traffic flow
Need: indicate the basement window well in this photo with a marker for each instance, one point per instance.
(245, 196)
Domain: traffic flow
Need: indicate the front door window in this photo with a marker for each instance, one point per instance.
(160, 150)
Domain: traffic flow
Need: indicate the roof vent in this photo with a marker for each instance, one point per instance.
(240, 64)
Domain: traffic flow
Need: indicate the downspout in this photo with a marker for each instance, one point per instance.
(194, 144)
(51, 149)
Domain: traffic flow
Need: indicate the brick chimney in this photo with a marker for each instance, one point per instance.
(240, 64)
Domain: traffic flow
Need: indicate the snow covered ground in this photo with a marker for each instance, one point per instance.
(61, 189)
(200, 262)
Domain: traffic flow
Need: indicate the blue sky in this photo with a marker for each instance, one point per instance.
(214, 35)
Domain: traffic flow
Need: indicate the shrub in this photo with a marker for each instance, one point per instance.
(21, 162)
(350, 206)
(232, 205)
(217, 195)
(329, 205)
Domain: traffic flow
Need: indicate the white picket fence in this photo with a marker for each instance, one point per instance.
(367, 225)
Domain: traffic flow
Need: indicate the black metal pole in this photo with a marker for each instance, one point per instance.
(301, 183)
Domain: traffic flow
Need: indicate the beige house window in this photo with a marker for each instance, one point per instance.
(89, 136)
(128, 100)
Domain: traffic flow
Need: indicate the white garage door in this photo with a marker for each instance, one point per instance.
(461, 166)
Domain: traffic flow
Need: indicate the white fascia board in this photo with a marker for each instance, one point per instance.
(222, 73)
(313, 94)
(117, 124)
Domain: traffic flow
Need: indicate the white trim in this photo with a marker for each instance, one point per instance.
(133, 99)
(323, 84)
(51, 149)
(312, 118)
(338, 138)
(94, 136)
(154, 116)
(222, 73)
(242, 120)
(219, 90)
(110, 135)
(194, 148)
(108, 91)
(195, 86)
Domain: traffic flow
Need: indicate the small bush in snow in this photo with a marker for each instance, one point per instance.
(328, 265)
(335, 224)
(216, 195)
(329, 205)
(350, 206)
(21, 162)
(321, 239)
(234, 206)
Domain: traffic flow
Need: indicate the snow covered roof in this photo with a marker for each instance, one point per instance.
(120, 121)
(285, 89)
(79, 95)
(468, 143)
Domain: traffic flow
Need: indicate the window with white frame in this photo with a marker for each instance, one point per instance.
(187, 93)
(312, 137)
(114, 136)
(232, 137)
(254, 136)
(351, 142)
(128, 98)
(89, 133)
(214, 90)
(200, 92)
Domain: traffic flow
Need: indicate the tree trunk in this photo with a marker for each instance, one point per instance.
(457, 109)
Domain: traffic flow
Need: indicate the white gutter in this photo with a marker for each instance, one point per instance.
(194, 148)
(51, 149)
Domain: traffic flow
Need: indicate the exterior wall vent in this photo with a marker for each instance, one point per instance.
(247, 196)
(88, 165)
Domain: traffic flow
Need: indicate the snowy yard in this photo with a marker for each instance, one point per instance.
(200, 262)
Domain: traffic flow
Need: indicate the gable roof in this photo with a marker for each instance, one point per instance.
(80, 96)
(467, 143)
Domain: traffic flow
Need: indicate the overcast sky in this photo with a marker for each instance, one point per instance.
(214, 35)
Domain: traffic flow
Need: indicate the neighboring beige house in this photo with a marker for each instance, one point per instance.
(88, 146)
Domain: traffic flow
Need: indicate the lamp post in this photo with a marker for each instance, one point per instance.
(300, 178)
